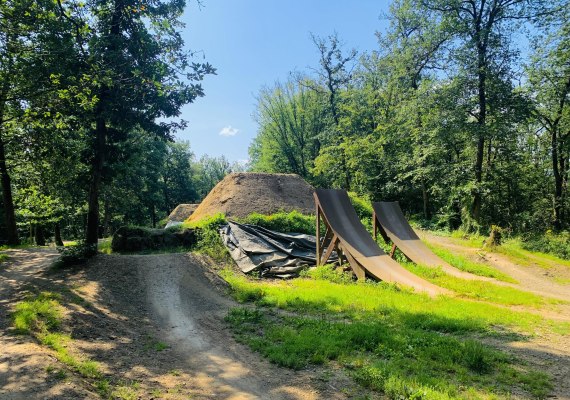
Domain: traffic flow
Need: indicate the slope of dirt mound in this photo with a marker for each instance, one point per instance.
(241, 194)
(182, 212)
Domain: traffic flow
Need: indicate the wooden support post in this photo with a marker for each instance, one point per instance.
(393, 250)
(356, 268)
(318, 231)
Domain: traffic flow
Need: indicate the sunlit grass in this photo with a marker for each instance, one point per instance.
(513, 250)
(404, 344)
(479, 290)
(465, 264)
(4, 257)
(104, 245)
(369, 300)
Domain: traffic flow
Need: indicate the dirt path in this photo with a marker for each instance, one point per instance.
(531, 278)
(24, 364)
(154, 323)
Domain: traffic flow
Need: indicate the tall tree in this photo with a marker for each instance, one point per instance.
(549, 84)
(137, 70)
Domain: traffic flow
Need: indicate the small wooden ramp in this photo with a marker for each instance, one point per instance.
(389, 220)
(346, 234)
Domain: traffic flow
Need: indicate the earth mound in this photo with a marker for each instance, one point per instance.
(182, 212)
(243, 193)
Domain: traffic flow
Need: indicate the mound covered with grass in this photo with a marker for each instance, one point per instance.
(241, 194)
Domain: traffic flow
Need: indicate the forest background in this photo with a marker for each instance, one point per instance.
(444, 116)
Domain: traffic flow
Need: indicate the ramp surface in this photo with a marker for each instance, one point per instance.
(395, 227)
(341, 217)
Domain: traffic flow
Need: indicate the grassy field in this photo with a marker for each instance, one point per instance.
(403, 344)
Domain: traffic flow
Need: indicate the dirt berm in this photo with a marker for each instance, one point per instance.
(241, 194)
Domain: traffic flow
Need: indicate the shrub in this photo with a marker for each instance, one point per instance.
(292, 222)
(136, 238)
(76, 254)
(557, 244)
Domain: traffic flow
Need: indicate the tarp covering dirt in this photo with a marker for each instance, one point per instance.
(270, 253)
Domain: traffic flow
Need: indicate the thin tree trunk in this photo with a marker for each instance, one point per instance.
(482, 78)
(558, 182)
(425, 197)
(7, 199)
(39, 236)
(96, 173)
(57, 233)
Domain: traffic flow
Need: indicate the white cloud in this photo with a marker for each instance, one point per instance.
(229, 131)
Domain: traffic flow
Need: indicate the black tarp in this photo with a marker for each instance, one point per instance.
(270, 253)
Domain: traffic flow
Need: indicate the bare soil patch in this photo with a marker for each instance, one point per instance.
(154, 324)
(241, 194)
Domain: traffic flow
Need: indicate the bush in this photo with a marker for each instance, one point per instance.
(293, 222)
(129, 238)
(76, 254)
(362, 206)
(552, 243)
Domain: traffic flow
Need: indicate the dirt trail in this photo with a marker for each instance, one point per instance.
(24, 364)
(156, 320)
(531, 278)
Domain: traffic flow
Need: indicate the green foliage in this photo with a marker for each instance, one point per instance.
(330, 273)
(76, 254)
(4, 257)
(292, 222)
(550, 243)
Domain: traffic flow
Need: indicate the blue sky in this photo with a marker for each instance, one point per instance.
(254, 43)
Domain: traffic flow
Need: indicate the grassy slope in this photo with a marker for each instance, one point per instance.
(393, 341)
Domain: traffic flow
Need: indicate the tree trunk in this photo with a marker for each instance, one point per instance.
(8, 201)
(425, 197)
(57, 233)
(39, 236)
(96, 173)
(558, 182)
(106, 218)
(481, 88)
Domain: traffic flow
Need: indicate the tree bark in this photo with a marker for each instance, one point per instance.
(558, 181)
(92, 234)
(7, 199)
(39, 236)
(57, 233)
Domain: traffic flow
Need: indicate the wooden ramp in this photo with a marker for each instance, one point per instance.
(346, 234)
(389, 220)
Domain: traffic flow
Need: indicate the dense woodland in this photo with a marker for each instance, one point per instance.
(461, 114)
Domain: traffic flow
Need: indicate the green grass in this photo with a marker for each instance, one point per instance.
(403, 344)
(4, 257)
(464, 264)
(480, 290)
(40, 316)
(513, 250)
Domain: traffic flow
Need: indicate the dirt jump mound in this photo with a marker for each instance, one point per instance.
(182, 212)
(241, 194)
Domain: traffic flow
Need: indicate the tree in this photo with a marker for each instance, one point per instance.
(549, 86)
(291, 119)
(34, 42)
(334, 75)
(136, 67)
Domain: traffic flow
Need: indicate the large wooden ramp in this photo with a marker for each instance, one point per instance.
(390, 221)
(349, 237)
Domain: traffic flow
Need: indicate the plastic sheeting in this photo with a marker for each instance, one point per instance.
(270, 253)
